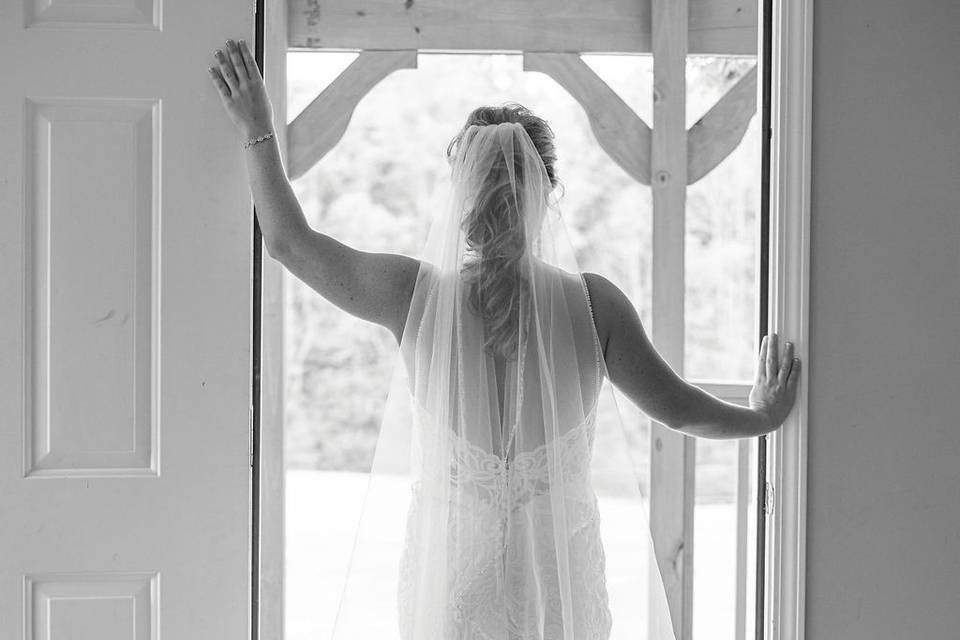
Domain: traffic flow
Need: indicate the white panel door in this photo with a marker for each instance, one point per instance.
(124, 324)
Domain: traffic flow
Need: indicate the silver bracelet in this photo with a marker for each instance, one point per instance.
(250, 143)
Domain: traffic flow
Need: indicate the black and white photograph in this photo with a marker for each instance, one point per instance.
(431, 320)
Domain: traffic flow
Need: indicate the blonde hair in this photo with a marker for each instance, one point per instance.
(494, 230)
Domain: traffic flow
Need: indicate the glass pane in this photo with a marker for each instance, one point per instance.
(724, 545)
(722, 230)
(720, 307)
(714, 540)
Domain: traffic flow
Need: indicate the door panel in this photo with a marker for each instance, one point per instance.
(125, 345)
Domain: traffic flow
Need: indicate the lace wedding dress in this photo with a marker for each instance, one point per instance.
(503, 575)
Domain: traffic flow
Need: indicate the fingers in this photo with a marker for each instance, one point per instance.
(253, 71)
(761, 360)
(786, 363)
(772, 357)
(219, 82)
(240, 68)
(235, 68)
(226, 69)
(794, 376)
(790, 391)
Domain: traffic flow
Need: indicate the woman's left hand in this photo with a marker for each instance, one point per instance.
(241, 90)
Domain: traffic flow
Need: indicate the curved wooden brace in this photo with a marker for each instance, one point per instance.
(714, 136)
(319, 127)
(619, 130)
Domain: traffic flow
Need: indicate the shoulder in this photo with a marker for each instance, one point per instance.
(403, 279)
(612, 309)
(605, 295)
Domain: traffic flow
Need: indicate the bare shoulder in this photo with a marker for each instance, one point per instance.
(403, 279)
(611, 307)
(633, 363)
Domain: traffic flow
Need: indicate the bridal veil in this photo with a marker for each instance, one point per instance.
(487, 514)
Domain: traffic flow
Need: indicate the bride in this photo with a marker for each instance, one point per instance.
(493, 415)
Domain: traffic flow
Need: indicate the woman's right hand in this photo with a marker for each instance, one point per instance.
(242, 92)
(775, 386)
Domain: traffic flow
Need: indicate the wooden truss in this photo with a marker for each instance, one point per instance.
(715, 27)
(619, 130)
(551, 35)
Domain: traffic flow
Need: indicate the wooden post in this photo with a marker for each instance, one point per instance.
(672, 454)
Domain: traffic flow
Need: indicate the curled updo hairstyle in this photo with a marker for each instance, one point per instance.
(494, 231)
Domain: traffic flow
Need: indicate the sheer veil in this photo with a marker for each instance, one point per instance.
(481, 517)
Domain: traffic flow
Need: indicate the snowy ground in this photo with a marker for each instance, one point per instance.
(318, 548)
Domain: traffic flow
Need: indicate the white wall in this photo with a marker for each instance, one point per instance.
(884, 446)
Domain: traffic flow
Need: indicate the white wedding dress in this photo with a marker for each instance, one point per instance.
(503, 574)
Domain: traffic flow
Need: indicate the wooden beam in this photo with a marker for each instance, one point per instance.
(716, 27)
(319, 127)
(672, 454)
(714, 136)
(618, 129)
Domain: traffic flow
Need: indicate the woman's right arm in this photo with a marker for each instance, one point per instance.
(637, 369)
(373, 286)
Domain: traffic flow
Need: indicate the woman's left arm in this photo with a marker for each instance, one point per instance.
(373, 286)
(640, 372)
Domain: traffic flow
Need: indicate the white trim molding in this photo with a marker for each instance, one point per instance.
(789, 310)
(272, 541)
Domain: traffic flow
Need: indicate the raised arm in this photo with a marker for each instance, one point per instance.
(373, 286)
(642, 375)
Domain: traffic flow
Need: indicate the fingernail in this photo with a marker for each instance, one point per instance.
(243, 42)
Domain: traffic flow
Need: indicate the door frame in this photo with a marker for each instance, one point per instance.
(266, 437)
(784, 500)
(789, 310)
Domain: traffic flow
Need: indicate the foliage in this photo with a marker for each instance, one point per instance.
(376, 189)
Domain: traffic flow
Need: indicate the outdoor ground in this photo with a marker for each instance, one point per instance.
(318, 548)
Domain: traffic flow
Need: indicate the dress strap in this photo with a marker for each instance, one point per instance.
(593, 329)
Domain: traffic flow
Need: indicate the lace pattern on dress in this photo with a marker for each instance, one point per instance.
(509, 502)
(500, 519)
